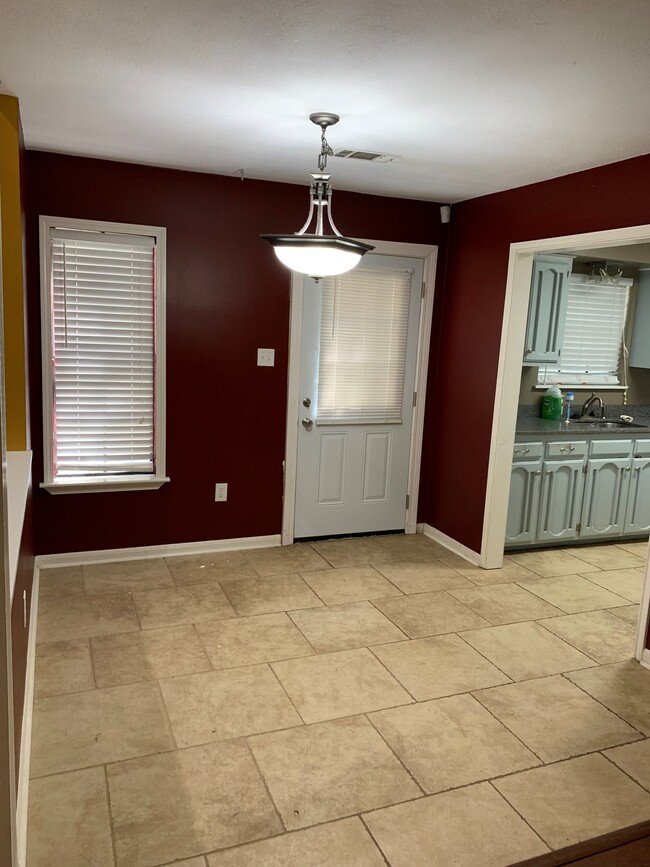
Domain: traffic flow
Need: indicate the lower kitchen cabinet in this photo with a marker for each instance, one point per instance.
(523, 505)
(560, 500)
(565, 491)
(605, 503)
(637, 519)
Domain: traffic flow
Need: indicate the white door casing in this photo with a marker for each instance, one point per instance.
(352, 473)
(428, 256)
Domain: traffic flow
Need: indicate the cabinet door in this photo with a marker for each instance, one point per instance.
(523, 505)
(549, 293)
(637, 518)
(561, 500)
(605, 501)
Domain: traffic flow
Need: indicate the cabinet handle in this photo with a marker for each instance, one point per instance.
(567, 448)
(521, 451)
(529, 350)
(627, 469)
(549, 472)
(538, 472)
(637, 469)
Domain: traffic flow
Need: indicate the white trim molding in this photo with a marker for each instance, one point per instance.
(429, 255)
(146, 552)
(645, 659)
(22, 800)
(451, 544)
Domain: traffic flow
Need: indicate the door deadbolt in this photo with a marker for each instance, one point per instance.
(306, 401)
(307, 423)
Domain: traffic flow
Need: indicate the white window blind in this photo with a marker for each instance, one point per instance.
(593, 335)
(102, 314)
(364, 325)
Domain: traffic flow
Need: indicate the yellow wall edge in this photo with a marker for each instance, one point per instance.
(12, 273)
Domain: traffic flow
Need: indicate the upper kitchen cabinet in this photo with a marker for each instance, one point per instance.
(640, 346)
(549, 293)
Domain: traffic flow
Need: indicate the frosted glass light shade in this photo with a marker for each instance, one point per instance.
(318, 255)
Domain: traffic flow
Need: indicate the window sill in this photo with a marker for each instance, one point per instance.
(108, 483)
(579, 386)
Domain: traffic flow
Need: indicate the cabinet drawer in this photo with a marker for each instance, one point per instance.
(527, 452)
(610, 448)
(566, 449)
(641, 448)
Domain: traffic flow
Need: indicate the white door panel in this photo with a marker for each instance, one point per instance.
(352, 474)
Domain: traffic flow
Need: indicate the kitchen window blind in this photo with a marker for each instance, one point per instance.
(364, 324)
(103, 353)
(593, 335)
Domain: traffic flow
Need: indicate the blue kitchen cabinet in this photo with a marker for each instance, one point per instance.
(606, 493)
(637, 518)
(560, 500)
(523, 505)
(549, 295)
(640, 344)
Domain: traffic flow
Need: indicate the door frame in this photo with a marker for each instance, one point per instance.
(429, 255)
(506, 398)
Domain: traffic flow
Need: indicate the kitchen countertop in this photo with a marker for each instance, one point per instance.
(527, 426)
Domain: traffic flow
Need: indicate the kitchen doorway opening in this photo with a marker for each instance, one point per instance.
(518, 284)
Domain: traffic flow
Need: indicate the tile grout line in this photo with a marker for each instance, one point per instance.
(619, 768)
(165, 709)
(265, 784)
(372, 837)
(111, 824)
(540, 622)
(506, 726)
(390, 673)
(289, 699)
(601, 703)
(397, 757)
(92, 663)
(522, 817)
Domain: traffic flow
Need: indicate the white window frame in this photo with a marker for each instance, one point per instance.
(135, 482)
(612, 381)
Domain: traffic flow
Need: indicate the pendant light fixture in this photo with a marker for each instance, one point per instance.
(318, 254)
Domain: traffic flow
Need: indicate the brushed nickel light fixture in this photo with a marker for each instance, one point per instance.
(318, 254)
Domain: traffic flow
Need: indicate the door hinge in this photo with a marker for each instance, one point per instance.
(415, 398)
(584, 469)
(408, 500)
(424, 289)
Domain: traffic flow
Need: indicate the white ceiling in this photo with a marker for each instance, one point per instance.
(474, 95)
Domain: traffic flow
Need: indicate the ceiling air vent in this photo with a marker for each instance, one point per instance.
(368, 156)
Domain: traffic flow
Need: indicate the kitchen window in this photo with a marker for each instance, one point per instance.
(593, 347)
(103, 345)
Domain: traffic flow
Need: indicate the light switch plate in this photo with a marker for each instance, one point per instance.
(266, 357)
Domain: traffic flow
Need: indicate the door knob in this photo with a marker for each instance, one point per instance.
(307, 423)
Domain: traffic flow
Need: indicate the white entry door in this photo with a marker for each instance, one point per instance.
(357, 379)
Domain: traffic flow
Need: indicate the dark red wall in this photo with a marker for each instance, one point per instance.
(226, 296)
(469, 317)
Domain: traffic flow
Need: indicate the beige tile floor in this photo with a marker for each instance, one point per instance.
(351, 703)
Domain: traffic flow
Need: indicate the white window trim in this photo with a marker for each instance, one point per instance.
(106, 483)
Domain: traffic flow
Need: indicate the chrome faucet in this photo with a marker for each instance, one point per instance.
(588, 407)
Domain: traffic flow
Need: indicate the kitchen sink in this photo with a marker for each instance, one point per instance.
(604, 424)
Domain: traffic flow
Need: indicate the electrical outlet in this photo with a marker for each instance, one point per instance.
(221, 492)
(266, 357)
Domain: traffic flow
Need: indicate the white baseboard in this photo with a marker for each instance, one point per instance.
(454, 546)
(645, 658)
(146, 552)
(22, 799)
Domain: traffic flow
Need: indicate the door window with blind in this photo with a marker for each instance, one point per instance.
(364, 326)
(103, 355)
(592, 352)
